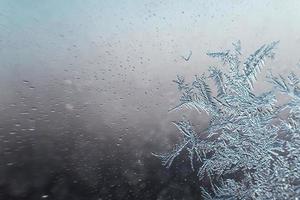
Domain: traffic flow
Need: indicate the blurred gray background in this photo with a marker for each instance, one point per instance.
(86, 87)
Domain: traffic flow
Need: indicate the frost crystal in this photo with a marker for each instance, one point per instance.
(251, 148)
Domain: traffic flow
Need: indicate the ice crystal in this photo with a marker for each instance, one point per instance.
(248, 133)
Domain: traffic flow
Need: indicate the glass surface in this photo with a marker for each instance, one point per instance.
(86, 88)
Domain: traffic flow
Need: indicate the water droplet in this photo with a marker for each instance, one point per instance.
(34, 108)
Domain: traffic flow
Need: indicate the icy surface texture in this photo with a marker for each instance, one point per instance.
(251, 149)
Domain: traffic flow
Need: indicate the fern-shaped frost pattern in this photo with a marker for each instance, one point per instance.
(247, 133)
